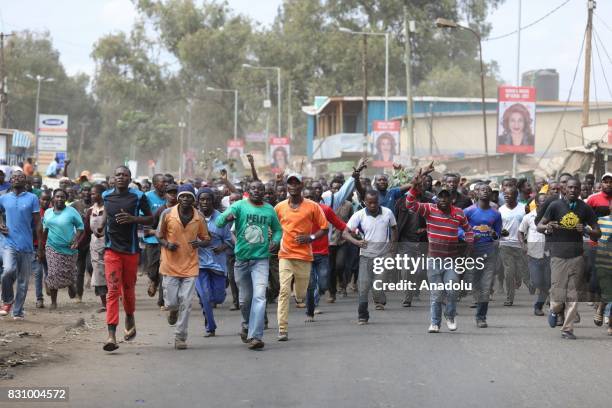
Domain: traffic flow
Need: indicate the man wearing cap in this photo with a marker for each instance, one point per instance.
(443, 223)
(152, 251)
(181, 231)
(298, 217)
(123, 207)
(258, 233)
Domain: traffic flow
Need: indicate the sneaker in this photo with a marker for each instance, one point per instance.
(244, 333)
(180, 344)
(434, 328)
(538, 312)
(331, 299)
(362, 322)
(598, 318)
(606, 320)
(406, 303)
(18, 317)
(474, 305)
(568, 335)
(560, 320)
(317, 311)
(209, 334)
(255, 344)
(300, 305)
(234, 307)
(40, 304)
(552, 319)
(451, 324)
(508, 303)
(380, 306)
(6, 309)
(283, 336)
(172, 317)
(481, 324)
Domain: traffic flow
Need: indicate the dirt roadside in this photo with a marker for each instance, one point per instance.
(48, 336)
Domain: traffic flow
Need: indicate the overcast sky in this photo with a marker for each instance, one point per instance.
(553, 43)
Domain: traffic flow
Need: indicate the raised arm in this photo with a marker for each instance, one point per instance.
(253, 170)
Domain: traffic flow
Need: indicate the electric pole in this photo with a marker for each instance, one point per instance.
(364, 68)
(587, 66)
(409, 117)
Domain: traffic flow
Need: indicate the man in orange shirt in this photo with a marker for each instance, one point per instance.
(298, 218)
(178, 232)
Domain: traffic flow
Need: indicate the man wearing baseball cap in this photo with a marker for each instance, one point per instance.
(181, 231)
(298, 217)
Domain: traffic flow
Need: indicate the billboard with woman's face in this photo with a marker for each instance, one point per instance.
(516, 119)
(279, 153)
(385, 138)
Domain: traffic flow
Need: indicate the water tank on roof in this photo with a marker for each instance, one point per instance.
(546, 82)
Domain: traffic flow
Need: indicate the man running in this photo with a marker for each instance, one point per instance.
(181, 231)
(21, 218)
(298, 217)
(156, 198)
(123, 206)
(253, 221)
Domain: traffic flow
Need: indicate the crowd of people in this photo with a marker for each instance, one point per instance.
(305, 238)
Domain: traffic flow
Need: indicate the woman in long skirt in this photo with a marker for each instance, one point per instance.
(62, 227)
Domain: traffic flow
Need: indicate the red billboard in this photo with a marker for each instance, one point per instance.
(516, 119)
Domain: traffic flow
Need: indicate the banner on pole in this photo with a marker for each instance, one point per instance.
(385, 140)
(516, 119)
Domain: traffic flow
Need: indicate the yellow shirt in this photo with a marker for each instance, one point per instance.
(183, 262)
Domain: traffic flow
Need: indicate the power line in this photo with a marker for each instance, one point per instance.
(569, 96)
(603, 22)
(603, 68)
(499, 37)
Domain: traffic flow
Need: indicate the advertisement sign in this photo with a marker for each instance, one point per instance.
(385, 142)
(280, 151)
(52, 125)
(235, 148)
(516, 119)
(53, 143)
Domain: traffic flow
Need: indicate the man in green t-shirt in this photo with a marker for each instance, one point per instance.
(253, 221)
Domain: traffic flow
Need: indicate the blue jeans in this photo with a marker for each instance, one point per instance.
(318, 282)
(539, 272)
(211, 290)
(482, 281)
(252, 279)
(39, 269)
(442, 275)
(17, 266)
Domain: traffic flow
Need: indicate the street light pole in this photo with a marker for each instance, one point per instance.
(386, 35)
(181, 126)
(39, 79)
(279, 93)
(444, 23)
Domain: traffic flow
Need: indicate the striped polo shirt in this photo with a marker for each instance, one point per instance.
(442, 228)
(603, 260)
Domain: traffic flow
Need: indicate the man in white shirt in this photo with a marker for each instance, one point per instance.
(538, 259)
(377, 226)
(510, 248)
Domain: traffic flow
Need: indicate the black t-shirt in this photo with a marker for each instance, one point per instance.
(123, 237)
(462, 201)
(566, 241)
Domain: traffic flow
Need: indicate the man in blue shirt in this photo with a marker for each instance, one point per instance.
(152, 251)
(53, 168)
(21, 218)
(4, 186)
(212, 276)
(388, 196)
(486, 223)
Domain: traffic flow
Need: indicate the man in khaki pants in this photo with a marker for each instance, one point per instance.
(565, 221)
(298, 217)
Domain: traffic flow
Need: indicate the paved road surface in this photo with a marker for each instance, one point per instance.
(517, 362)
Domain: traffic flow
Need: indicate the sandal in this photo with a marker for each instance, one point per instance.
(129, 334)
(110, 346)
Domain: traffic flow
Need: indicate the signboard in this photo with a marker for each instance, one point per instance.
(385, 140)
(53, 143)
(52, 125)
(516, 119)
(235, 148)
(256, 137)
(609, 130)
(280, 150)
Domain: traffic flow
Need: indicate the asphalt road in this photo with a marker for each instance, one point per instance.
(392, 362)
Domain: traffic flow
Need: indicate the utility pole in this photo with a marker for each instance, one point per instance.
(289, 114)
(364, 68)
(587, 66)
(409, 115)
(3, 90)
(84, 125)
(266, 155)
(518, 46)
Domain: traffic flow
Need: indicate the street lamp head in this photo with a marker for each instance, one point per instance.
(345, 30)
(445, 23)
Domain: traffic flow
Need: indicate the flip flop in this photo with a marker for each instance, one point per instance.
(130, 334)
(110, 346)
